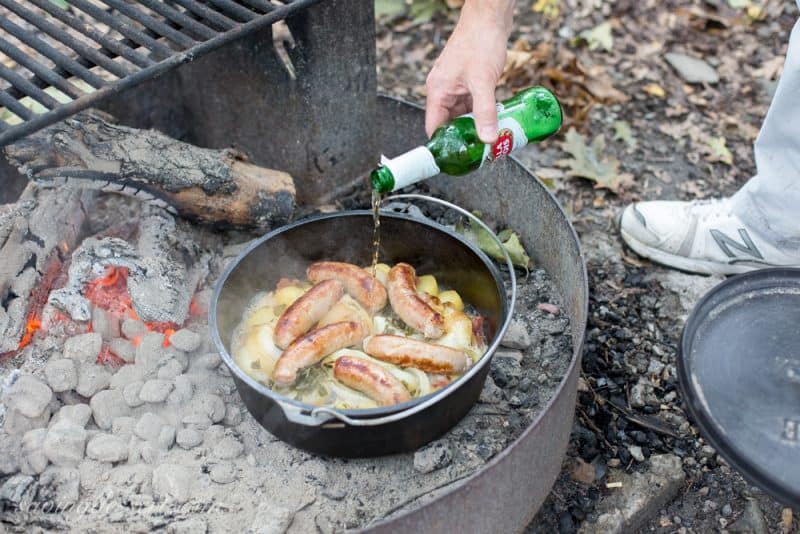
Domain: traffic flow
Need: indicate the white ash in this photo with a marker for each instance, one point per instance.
(107, 405)
(28, 395)
(62, 374)
(155, 390)
(92, 378)
(76, 413)
(32, 459)
(107, 448)
(105, 324)
(123, 348)
(10, 448)
(65, 443)
(130, 393)
(84, 348)
(185, 340)
(209, 452)
(17, 424)
(133, 328)
(223, 472)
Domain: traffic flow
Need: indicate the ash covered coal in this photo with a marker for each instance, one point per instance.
(131, 428)
(162, 275)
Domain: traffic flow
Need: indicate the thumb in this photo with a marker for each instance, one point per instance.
(485, 111)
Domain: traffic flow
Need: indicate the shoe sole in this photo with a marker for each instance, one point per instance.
(686, 264)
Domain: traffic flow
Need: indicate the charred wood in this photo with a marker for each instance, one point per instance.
(200, 184)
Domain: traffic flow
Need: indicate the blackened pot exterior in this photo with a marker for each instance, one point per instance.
(347, 236)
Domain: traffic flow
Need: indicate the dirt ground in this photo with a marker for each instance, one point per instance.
(635, 129)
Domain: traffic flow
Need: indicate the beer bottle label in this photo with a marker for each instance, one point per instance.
(510, 136)
(411, 167)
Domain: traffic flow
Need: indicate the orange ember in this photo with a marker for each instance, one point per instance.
(168, 334)
(108, 358)
(33, 325)
(110, 292)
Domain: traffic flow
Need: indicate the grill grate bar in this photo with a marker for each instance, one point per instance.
(112, 45)
(209, 14)
(54, 31)
(44, 74)
(14, 106)
(261, 5)
(239, 11)
(179, 18)
(145, 39)
(57, 57)
(27, 87)
(128, 30)
(180, 39)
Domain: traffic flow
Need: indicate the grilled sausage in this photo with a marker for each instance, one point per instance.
(370, 379)
(409, 306)
(309, 349)
(358, 283)
(407, 352)
(306, 311)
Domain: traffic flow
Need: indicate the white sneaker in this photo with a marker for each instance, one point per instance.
(702, 237)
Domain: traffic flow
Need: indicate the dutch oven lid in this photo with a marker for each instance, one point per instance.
(739, 368)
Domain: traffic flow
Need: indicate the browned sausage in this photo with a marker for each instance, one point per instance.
(309, 349)
(407, 352)
(306, 311)
(409, 306)
(358, 283)
(370, 379)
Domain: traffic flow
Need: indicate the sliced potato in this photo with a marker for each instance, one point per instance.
(261, 316)
(287, 295)
(453, 298)
(427, 283)
(381, 272)
(458, 332)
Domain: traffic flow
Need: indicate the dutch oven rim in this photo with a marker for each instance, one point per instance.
(370, 413)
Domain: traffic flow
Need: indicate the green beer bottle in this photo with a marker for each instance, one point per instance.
(455, 149)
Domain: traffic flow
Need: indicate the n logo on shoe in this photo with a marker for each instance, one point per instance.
(746, 247)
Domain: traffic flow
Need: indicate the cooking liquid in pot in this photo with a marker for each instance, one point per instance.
(254, 350)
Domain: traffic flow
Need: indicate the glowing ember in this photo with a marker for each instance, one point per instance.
(108, 358)
(110, 292)
(32, 326)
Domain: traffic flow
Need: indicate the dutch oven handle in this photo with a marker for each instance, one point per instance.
(322, 415)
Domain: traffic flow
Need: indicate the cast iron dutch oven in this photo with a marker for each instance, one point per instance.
(347, 236)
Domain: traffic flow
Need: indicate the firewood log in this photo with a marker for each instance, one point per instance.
(206, 185)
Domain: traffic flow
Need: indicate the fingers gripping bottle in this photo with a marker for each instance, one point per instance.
(455, 149)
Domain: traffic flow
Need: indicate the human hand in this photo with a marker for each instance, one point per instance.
(464, 77)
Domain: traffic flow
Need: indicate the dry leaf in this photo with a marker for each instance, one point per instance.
(654, 89)
(718, 150)
(786, 520)
(622, 132)
(588, 162)
(599, 37)
(549, 8)
(583, 472)
(771, 69)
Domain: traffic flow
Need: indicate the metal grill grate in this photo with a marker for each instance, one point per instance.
(57, 57)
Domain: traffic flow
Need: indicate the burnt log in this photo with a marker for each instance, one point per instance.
(205, 185)
(37, 234)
